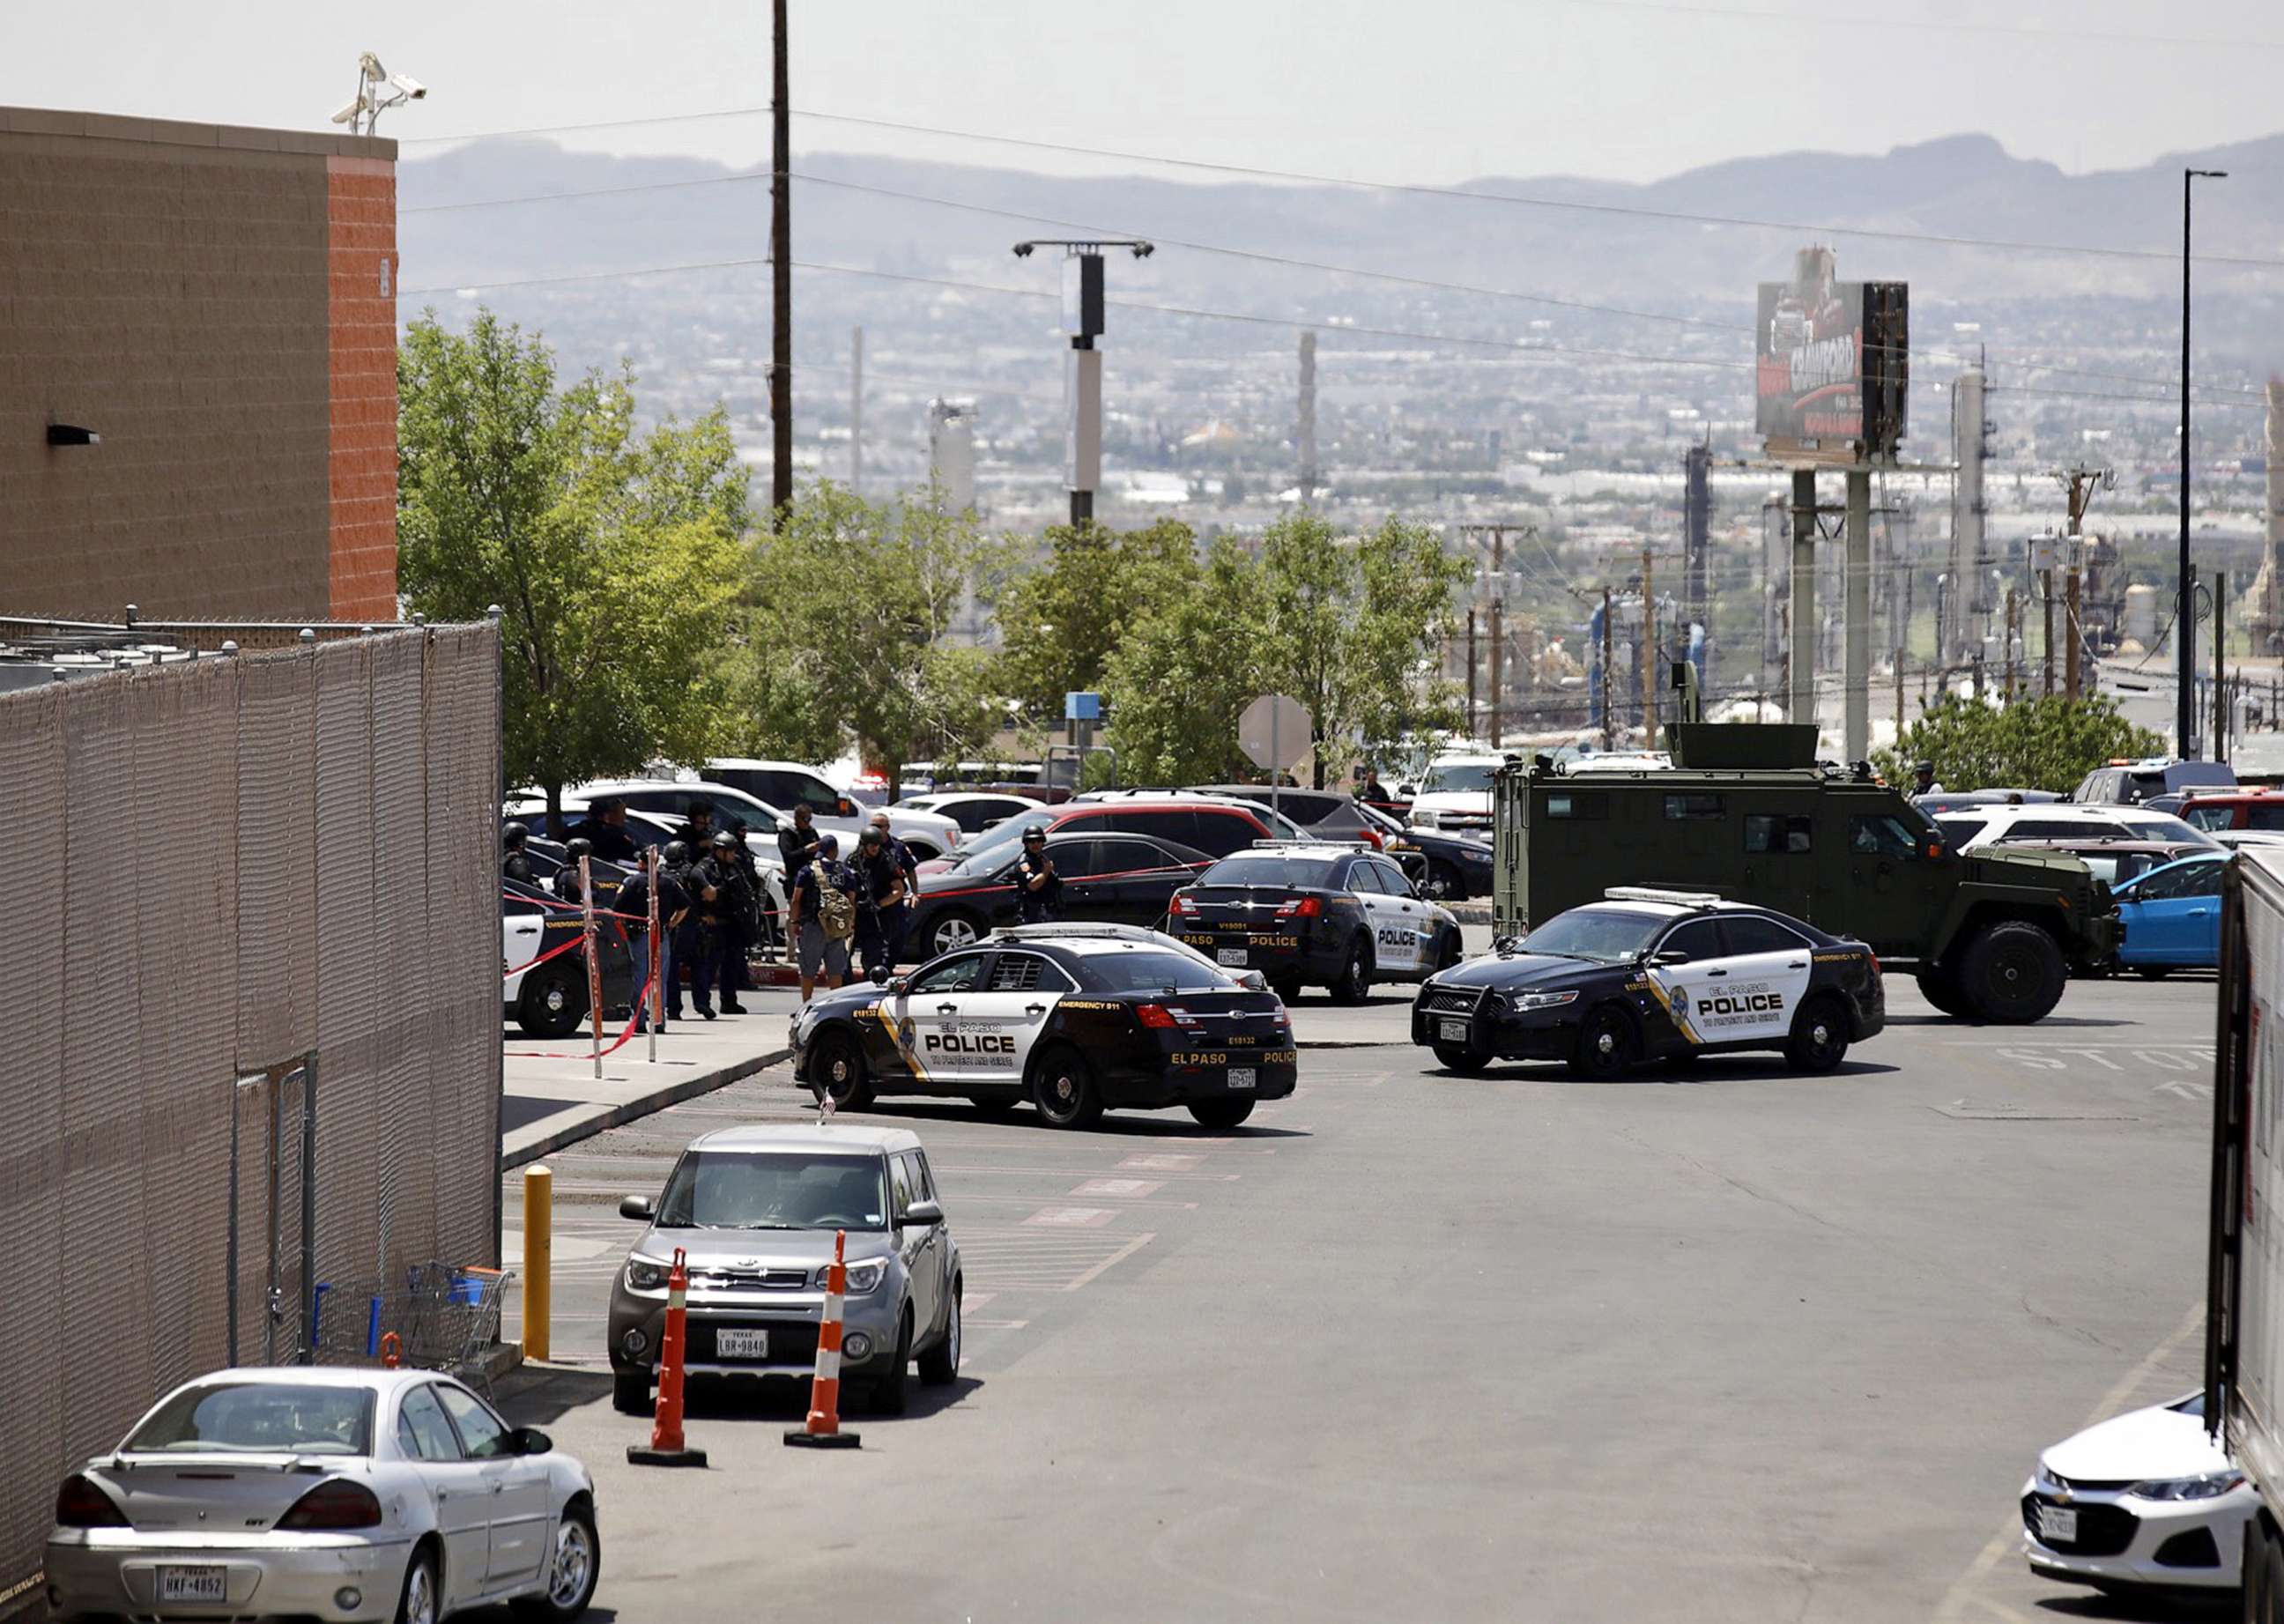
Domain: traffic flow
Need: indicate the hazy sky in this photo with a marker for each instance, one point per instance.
(1430, 90)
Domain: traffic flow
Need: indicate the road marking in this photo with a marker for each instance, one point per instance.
(1073, 1217)
(1162, 1164)
(2009, 1536)
(1119, 1256)
(1119, 1187)
(977, 1325)
(975, 1299)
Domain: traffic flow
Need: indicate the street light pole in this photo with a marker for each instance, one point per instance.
(1083, 309)
(2185, 616)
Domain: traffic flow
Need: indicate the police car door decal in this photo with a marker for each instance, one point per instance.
(1738, 997)
(989, 1035)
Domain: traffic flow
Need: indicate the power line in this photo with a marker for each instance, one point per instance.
(1416, 189)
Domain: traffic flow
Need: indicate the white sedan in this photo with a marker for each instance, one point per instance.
(2146, 1501)
(343, 1495)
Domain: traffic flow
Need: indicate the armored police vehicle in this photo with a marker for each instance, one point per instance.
(1746, 812)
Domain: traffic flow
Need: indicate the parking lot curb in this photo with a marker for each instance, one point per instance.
(632, 1110)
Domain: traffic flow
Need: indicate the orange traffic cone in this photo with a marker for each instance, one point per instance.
(822, 1430)
(666, 1445)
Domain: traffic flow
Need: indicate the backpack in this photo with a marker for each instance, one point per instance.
(836, 911)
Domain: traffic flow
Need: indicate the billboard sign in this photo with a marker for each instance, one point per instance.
(1831, 361)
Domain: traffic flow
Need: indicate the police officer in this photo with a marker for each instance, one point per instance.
(754, 924)
(566, 879)
(692, 943)
(515, 862)
(1923, 780)
(696, 831)
(605, 828)
(881, 890)
(797, 843)
(633, 901)
(1039, 888)
(726, 902)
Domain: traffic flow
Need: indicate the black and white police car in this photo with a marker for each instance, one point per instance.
(1650, 975)
(1076, 1018)
(1325, 913)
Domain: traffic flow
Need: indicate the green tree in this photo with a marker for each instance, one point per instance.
(1060, 621)
(1349, 627)
(614, 555)
(2034, 743)
(849, 606)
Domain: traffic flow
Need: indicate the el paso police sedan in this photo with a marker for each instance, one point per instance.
(1074, 1017)
(1655, 975)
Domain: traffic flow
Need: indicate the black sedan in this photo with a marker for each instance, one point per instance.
(1076, 1018)
(1652, 975)
(1448, 868)
(1107, 879)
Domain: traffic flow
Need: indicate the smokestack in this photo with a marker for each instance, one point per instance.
(1970, 567)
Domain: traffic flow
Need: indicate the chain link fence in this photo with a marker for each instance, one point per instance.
(256, 1042)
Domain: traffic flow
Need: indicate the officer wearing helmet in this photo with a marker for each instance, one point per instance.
(726, 903)
(1039, 888)
(690, 940)
(515, 862)
(567, 880)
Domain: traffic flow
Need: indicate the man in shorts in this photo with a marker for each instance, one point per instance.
(821, 955)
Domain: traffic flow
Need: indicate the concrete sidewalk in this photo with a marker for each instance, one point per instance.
(553, 1098)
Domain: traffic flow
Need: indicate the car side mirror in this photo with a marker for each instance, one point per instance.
(844, 807)
(919, 1214)
(1670, 956)
(1253, 982)
(531, 1441)
(898, 986)
(1404, 791)
(636, 1206)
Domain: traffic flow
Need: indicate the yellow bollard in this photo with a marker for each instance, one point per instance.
(539, 1245)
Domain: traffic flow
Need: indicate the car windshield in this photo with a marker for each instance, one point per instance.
(2165, 826)
(1269, 871)
(774, 1190)
(1153, 972)
(1606, 935)
(1460, 777)
(1000, 846)
(261, 1417)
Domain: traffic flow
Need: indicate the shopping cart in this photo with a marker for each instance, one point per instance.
(436, 1317)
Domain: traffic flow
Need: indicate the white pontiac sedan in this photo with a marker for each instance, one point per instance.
(2143, 1501)
(336, 1493)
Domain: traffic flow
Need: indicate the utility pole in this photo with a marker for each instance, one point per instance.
(856, 410)
(1696, 539)
(780, 274)
(2078, 483)
(1856, 625)
(1499, 629)
(1648, 652)
(2185, 621)
(1473, 714)
(1609, 707)
(1801, 701)
(1083, 309)
(2047, 604)
(2008, 653)
(2076, 641)
(1308, 436)
(2220, 667)
(1899, 697)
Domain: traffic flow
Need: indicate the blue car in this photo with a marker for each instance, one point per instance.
(2171, 916)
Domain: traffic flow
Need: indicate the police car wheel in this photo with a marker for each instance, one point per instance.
(1819, 1036)
(2152, 972)
(1354, 982)
(1221, 1113)
(1607, 1047)
(1462, 1061)
(993, 1105)
(1444, 884)
(955, 930)
(837, 1067)
(1286, 987)
(1062, 1087)
(630, 1392)
(1449, 954)
(553, 1003)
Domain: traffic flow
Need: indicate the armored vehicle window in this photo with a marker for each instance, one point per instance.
(1694, 805)
(1956, 832)
(1751, 934)
(1778, 833)
(1882, 835)
(1565, 803)
(1698, 939)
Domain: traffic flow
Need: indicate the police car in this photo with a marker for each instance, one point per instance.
(1076, 1018)
(1324, 913)
(1648, 975)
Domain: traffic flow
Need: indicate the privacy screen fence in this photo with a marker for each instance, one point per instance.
(253, 973)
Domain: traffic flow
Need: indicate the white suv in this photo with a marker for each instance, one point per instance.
(788, 784)
(1455, 795)
(1972, 826)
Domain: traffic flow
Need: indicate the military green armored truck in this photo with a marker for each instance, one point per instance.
(1746, 812)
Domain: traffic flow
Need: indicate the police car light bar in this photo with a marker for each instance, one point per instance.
(1654, 893)
(1337, 846)
(1081, 930)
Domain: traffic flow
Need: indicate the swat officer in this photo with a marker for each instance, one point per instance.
(633, 902)
(880, 893)
(1039, 888)
(726, 902)
(692, 943)
(515, 862)
(605, 828)
(566, 879)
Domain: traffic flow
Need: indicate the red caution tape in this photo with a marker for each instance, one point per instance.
(642, 1003)
(551, 953)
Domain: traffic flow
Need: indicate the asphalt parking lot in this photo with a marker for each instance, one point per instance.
(1727, 1344)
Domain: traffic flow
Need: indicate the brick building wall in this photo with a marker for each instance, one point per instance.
(217, 305)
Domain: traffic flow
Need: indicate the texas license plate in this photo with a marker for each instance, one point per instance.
(1452, 1031)
(1241, 1076)
(741, 1342)
(192, 1584)
(1231, 956)
(2058, 1522)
